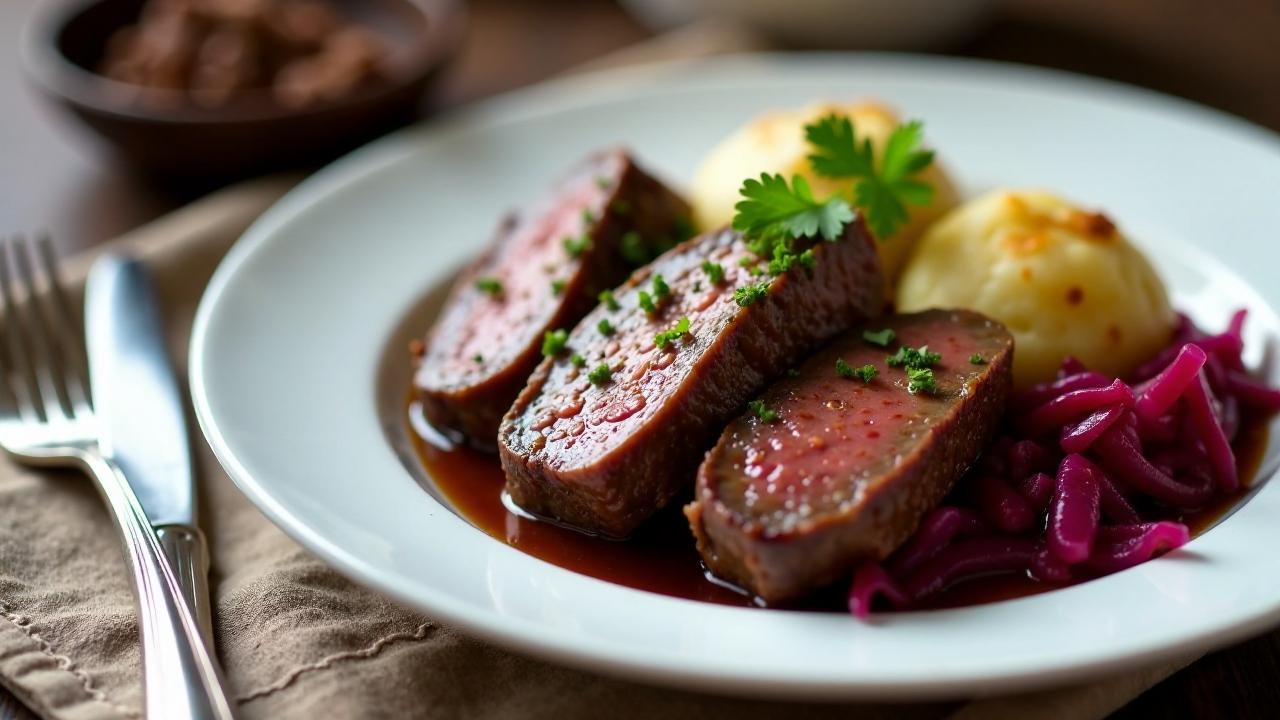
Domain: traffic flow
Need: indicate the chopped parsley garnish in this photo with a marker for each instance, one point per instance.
(557, 287)
(792, 372)
(608, 300)
(588, 217)
(920, 379)
(714, 271)
(660, 287)
(748, 294)
(771, 209)
(665, 338)
(882, 192)
(600, 374)
(575, 246)
(697, 286)
(755, 271)
(746, 261)
(843, 369)
(489, 286)
(879, 337)
(977, 359)
(913, 358)
(605, 327)
(578, 360)
(620, 206)
(646, 303)
(762, 411)
(553, 341)
(478, 358)
(784, 258)
(866, 373)
(633, 249)
(603, 182)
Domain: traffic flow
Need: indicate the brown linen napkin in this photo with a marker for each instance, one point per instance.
(298, 640)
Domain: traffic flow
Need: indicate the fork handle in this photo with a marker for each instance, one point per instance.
(188, 554)
(181, 678)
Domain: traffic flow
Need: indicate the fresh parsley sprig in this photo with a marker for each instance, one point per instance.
(881, 191)
(772, 210)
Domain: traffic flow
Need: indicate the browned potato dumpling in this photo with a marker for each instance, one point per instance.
(1064, 280)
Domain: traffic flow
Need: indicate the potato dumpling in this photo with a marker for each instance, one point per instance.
(775, 143)
(1064, 281)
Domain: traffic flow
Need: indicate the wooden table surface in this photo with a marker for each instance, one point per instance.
(1227, 54)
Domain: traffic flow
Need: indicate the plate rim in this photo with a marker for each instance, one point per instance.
(584, 90)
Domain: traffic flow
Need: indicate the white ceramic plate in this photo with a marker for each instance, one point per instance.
(299, 368)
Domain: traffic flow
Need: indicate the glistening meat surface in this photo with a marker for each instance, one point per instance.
(604, 456)
(849, 467)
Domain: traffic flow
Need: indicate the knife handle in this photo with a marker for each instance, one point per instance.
(181, 679)
(188, 556)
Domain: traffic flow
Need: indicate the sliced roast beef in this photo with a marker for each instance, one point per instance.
(610, 429)
(835, 466)
(543, 270)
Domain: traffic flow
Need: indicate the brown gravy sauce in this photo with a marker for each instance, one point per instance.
(661, 558)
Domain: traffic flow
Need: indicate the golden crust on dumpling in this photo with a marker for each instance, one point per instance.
(1064, 280)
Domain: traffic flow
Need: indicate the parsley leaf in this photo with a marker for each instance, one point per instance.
(605, 327)
(920, 379)
(557, 287)
(603, 182)
(748, 294)
(866, 373)
(977, 359)
(665, 338)
(578, 360)
(646, 303)
(489, 286)
(607, 299)
(883, 192)
(762, 411)
(620, 206)
(575, 246)
(553, 341)
(879, 337)
(771, 209)
(913, 358)
(633, 249)
(660, 287)
(600, 374)
(714, 271)
(588, 217)
(478, 358)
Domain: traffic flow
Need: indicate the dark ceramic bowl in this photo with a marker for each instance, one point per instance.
(64, 41)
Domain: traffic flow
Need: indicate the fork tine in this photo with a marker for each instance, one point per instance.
(17, 359)
(67, 332)
(49, 374)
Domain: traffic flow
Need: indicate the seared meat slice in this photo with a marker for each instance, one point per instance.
(543, 270)
(603, 448)
(848, 467)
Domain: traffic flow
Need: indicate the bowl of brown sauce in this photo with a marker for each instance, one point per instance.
(219, 89)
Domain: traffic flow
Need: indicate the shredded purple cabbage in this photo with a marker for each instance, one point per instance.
(1127, 455)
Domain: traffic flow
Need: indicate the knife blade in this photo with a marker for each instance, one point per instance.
(141, 414)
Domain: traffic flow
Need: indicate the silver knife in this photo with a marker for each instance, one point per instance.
(143, 418)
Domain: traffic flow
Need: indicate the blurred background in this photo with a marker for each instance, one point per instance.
(60, 176)
(88, 153)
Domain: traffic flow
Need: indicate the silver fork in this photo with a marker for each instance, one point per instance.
(46, 419)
